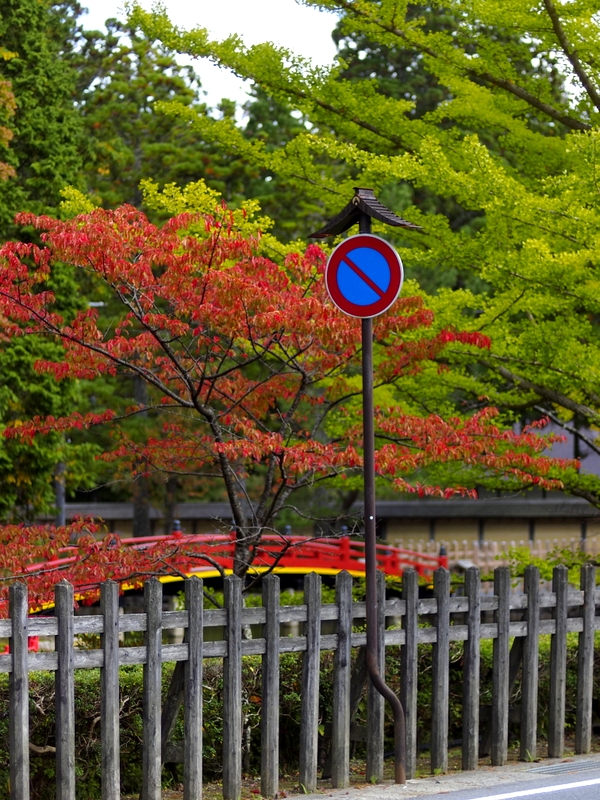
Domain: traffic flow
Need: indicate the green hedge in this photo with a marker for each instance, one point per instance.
(88, 756)
(87, 728)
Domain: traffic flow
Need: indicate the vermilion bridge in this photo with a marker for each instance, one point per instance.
(288, 554)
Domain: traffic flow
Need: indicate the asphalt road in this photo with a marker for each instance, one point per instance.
(577, 784)
(575, 778)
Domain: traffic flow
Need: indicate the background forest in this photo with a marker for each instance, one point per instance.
(478, 122)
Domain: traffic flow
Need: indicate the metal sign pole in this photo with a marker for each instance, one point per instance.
(370, 542)
(358, 258)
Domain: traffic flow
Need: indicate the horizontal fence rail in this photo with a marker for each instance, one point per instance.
(411, 621)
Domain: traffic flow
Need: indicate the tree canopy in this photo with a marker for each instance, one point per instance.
(45, 154)
(253, 376)
(216, 359)
(512, 142)
(122, 76)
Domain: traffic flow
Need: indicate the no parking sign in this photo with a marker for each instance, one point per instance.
(364, 276)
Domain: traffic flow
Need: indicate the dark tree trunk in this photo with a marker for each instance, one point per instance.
(60, 494)
(172, 488)
(141, 485)
(241, 556)
(141, 507)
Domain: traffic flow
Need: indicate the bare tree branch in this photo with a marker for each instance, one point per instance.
(518, 91)
(571, 54)
(553, 395)
(591, 443)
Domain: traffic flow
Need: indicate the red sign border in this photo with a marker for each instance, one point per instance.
(396, 275)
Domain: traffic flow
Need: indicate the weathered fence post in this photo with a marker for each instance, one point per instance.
(232, 691)
(558, 665)
(192, 681)
(269, 773)
(585, 673)
(65, 694)
(18, 690)
(500, 677)
(151, 749)
(375, 701)
(109, 693)
(340, 734)
(309, 724)
(409, 667)
(471, 670)
(347, 686)
(529, 702)
(441, 672)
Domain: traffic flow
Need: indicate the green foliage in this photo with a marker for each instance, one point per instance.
(123, 76)
(39, 37)
(288, 597)
(48, 134)
(519, 558)
(26, 470)
(399, 72)
(497, 161)
(273, 124)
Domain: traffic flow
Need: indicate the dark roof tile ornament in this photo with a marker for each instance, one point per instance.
(363, 202)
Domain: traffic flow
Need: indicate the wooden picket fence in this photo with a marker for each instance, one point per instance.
(441, 619)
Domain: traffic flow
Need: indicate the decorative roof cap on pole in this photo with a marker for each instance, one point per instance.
(363, 202)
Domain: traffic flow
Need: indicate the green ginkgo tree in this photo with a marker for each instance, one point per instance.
(513, 141)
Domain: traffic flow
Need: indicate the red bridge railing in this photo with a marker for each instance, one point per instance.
(284, 554)
(302, 554)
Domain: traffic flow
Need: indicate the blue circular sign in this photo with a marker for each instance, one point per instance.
(364, 275)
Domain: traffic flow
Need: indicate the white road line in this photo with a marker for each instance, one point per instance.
(544, 790)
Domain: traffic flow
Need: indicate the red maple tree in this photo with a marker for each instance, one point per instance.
(251, 371)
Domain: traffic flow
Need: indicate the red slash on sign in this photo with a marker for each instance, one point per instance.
(363, 276)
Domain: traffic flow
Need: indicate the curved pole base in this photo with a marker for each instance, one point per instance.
(399, 720)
